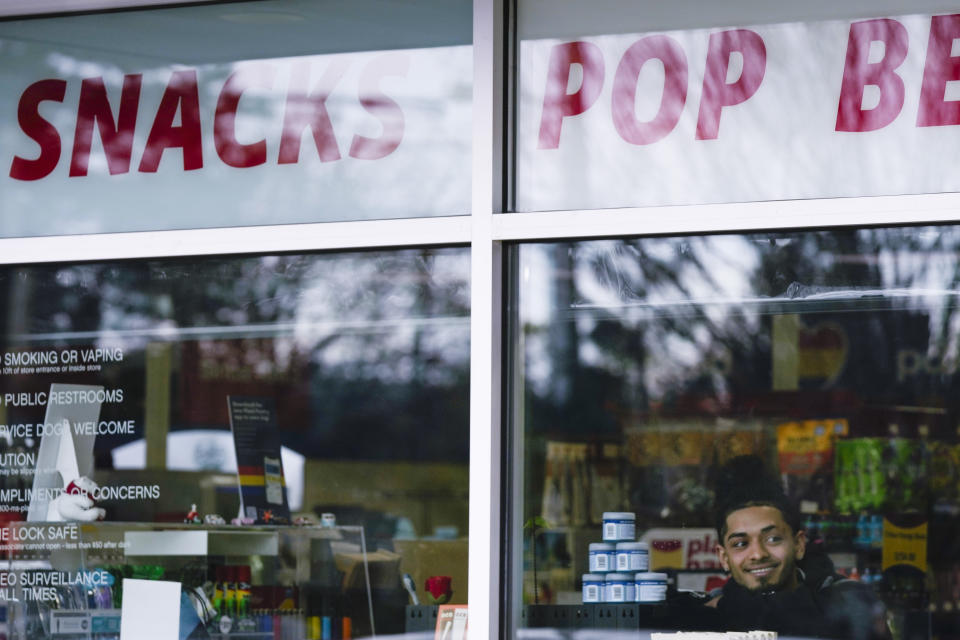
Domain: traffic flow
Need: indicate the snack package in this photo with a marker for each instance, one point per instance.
(905, 466)
(739, 441)
(860, 475)
(944, 472)
(805, 455)
(643, 446)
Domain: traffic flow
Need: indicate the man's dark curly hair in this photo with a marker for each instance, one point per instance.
(743, 482)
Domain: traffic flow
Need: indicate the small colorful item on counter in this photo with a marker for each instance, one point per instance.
(408, 584)
(439, 589)
(76, 502)
(193, 516)
(213, 518)
(619, 526)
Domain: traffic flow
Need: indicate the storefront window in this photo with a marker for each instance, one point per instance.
(819, 365)
(283, 437)
(235, 114)
(650, 104)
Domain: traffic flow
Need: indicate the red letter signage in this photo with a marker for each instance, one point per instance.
(557, 103)
(44, 133)
(305, 109)
(384, 108)
(669, 52)
(860, 72)
(941, 67)
(181, 94)
(117, 137)
(228, 148)
(717, 93)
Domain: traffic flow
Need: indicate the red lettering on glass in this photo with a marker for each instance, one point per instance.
(230, 150)
(384, 108)
(39, 130)
(859, 72)
(557, 103)
(717, 93)
(117, 137)
(308, 109)
(940, 68)
(623, 106)
(181, 95)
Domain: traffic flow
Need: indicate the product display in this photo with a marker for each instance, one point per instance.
(226, 599)
(618, 570)
(651, 587)
(619, 526)
(878, 506)
(603, 557)
(633, 556)
(593, 588)
(619, 587)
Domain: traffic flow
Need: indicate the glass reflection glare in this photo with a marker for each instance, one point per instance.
(644, 364)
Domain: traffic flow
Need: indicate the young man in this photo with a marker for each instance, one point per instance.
(776, 582)
(760, 549)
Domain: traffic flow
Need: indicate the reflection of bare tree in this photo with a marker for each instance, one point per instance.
(642, 325)
(652, 343)
(379, 342)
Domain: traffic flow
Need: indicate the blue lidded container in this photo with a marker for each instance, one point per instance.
(602, 557)
(651, 587)
(619, 526)
(592, 588)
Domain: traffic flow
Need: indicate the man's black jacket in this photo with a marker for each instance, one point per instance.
(824, 605)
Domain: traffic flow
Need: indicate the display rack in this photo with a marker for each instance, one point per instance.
(311, 581)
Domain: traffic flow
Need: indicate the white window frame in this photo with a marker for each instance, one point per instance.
(486, 232)
(15, 8)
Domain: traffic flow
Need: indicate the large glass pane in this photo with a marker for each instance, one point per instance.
(233, 114)
(633, 104)
(301, 417)
(681, 384)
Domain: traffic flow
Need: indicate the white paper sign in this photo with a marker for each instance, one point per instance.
(151, 610)
(789, 111)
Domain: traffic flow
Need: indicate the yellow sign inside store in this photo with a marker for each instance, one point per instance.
(904, 546)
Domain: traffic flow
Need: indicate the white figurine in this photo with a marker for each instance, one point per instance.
(75, 503)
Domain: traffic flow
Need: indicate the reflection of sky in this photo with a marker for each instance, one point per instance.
(196, 450)
(720, 279)
(656, 287)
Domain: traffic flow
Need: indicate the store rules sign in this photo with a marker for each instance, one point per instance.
(806, 110)
(263, 494)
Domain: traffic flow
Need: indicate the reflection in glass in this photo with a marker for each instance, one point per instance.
(645, 364)
(356, 363)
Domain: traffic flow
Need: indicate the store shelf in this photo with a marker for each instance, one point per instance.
(624, 617)
(200, 543)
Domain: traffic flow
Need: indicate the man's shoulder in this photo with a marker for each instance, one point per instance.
(841, 584)
(854, 608)
(692, 611)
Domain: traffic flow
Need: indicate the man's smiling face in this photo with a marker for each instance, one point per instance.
(760, 550)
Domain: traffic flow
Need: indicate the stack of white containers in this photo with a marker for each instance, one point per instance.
(619, 566)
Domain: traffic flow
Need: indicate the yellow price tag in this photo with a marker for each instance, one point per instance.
(904, 545)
